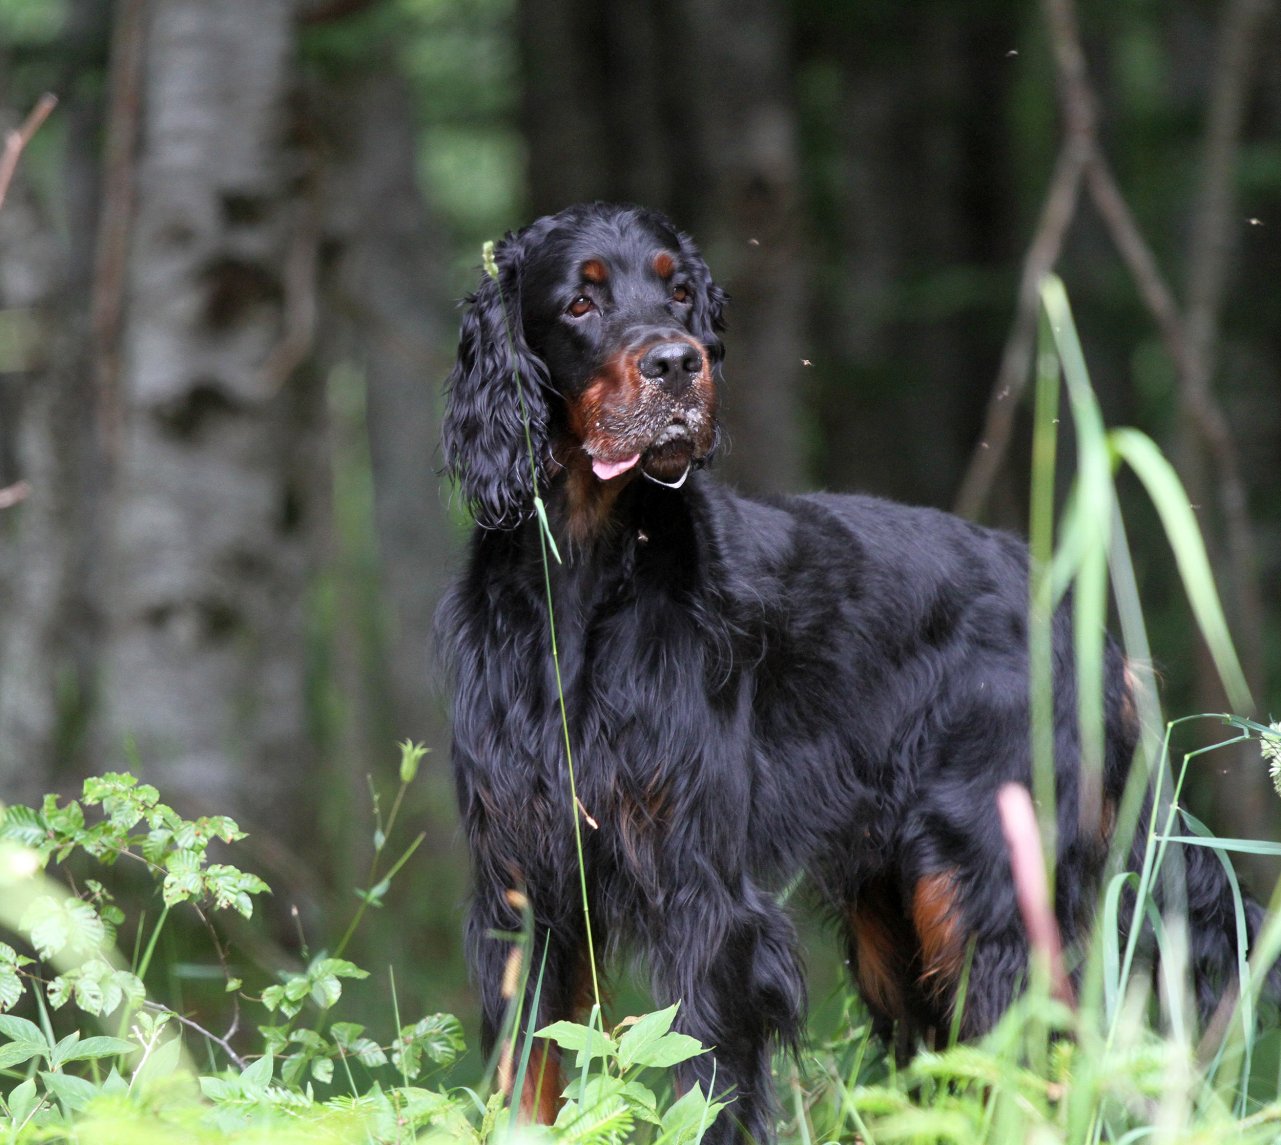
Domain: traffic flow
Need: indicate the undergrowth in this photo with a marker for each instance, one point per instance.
(90, 1051)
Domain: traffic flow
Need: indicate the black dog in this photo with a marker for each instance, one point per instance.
(754, 688)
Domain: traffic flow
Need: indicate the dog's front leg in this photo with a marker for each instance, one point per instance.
(729, 957)
(530, 970)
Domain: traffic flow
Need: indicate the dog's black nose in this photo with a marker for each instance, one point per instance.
(674, 365)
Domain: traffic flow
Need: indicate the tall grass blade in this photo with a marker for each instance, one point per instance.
(1090, 521)
(1166, 493)
(1040, 592)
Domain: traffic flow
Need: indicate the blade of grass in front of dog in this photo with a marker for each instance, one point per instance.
(1040, 603)
(1265, 952)
(527, 1048)
(547, 542)
(1236, 1049)
(1092, 508)
(1166, 492)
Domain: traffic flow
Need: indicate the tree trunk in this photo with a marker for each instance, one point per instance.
(739, 193)
(49, 544)
(612, 110)
(911, 203)
(217, 459)
(385, 288)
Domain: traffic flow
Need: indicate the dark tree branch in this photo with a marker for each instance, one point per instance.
(327, 11)
(1189, 336)
(124, 110)
(1214, 229)
(1016, 359)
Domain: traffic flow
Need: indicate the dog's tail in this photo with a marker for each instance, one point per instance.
(1224, 924)
(1223, 921)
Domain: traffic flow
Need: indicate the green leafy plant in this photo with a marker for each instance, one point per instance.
(303, 1072)
(605, 1098)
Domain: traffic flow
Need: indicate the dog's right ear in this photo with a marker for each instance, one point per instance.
(497, 408)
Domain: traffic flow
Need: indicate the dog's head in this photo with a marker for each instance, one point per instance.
(595, 352)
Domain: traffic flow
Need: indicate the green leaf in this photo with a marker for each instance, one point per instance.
(10, 957)
(22, 1101)
(89, 994)
(45, 924)
(587, 1041)
(21, 1030)
(642, 1034)
(669, 1050)
(54, 927)
(230, 888)
(219, 1089)
(59, 991)
(73, 1092)
(256, 1078)
(161, 1062)
(605, 1121)
(688, 1118)
(368, 1052)
(326, 990)
(641, 1100)
(293, 1068)
(11, 987)
(439, 1036)
(15, 1053)
(23, 825)
(322, 1069)
(1240, 846)
(95, 1047)
(345, 1033)
(273, 997)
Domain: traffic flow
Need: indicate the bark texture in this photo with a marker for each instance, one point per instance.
(50, 542)
(216, 458)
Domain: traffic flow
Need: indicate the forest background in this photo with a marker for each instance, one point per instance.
(229, 264)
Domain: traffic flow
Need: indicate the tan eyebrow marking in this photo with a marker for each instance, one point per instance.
(595, 271)
(664, 264)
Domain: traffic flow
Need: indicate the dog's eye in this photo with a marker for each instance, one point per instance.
(580, 306)
(680, 293)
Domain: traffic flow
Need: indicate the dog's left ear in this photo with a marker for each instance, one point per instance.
(708, 319)
(497, 408)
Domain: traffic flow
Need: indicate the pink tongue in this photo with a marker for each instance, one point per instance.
(604, 470)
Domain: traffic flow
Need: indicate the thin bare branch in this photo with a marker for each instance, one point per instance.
(1190, 335)
(1079, 148)
(1016, 359)
(1138, 258)
(222, 1043)
(16, 140)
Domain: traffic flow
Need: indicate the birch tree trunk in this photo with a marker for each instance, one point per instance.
(217, 466)
(49, 544)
